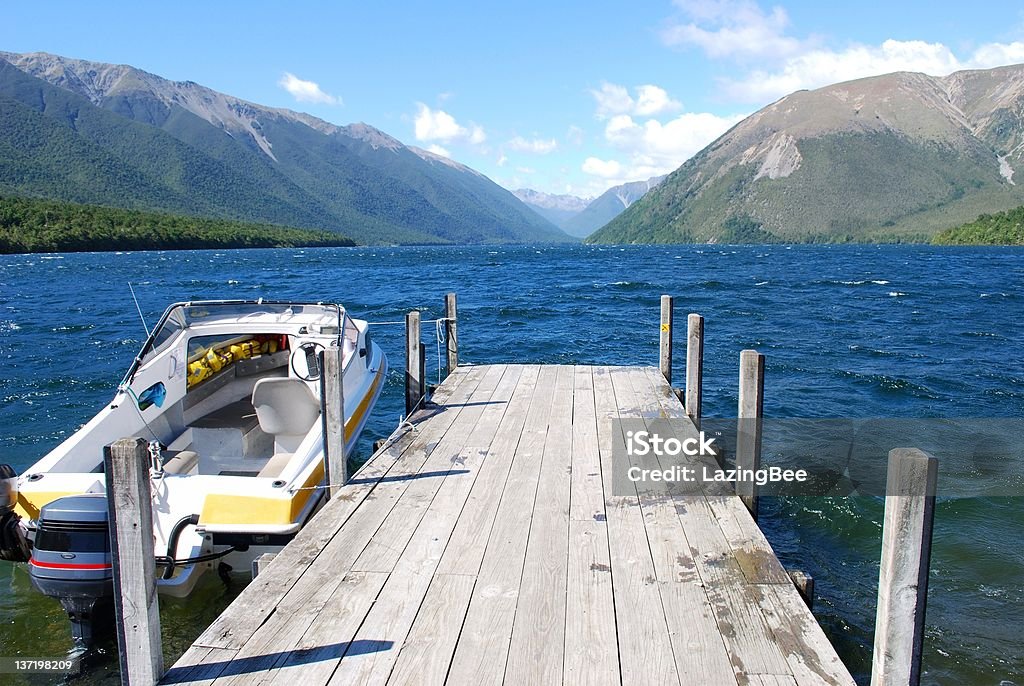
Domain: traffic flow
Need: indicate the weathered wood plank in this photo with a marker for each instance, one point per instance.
(591, 650)
(586, 500)
(466, 546)
(392, 616)
(322, 646)
(645, 649)
(811, 657)
(538, 634)
(428, 649)
(260, 598)
(700, 653)
(385, 547)
(199, 666)
(482, 650)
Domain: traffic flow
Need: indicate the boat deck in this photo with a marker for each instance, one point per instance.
(486, 547)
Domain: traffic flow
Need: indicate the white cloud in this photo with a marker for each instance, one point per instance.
(651, 147)
(738, 28)
(574, 135)
(606, 169)
(438, 125)
(820, 67)
(306, 91)
(438, 150)
(537, 146)
(613, 99)
(502, 160)
(526, 170)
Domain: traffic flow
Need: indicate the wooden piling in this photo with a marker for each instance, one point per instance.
(413, 368)
(694, 366)
(667, 302)
(804, 583)
(130, 515)
(261, 562)
(451, 313)
(332, 411)
(748, 425)
(903, 577)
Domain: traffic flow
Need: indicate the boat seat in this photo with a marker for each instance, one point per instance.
(180, 461)
(286, 410)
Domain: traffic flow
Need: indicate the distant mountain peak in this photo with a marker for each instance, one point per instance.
(552, 201)
(115, 135)
(882, 157)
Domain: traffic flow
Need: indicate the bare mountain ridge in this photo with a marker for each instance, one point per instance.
(896, 154)
(258, 163)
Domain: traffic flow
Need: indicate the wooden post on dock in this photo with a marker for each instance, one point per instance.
(451, 314)
(130, 514)
(804, 583)
(413, 362)
(332, 411)
(667, 302)
(694, 366)
(903, 577)
(748, 425)
(260, 563)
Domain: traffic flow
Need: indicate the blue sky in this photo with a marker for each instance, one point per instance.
(563, 97)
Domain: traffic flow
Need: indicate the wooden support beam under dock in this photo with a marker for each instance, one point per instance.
(487, 547)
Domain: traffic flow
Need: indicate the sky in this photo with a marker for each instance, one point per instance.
(561, 97)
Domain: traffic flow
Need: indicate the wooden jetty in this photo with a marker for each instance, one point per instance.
(485, 546)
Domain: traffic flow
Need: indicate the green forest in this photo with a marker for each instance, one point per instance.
(1001, 228)
(30, 225)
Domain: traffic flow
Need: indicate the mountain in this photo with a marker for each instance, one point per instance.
(608, 205)
(557, 209)
(115, 135)
(899, 156)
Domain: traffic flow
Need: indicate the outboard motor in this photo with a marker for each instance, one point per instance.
(71, 562)
(13, 545)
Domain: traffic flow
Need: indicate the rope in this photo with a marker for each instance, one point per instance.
(402, 323)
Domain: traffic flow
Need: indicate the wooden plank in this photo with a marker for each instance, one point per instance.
(482, 650)
(811, 658)
(392, 616)
(591, 650)
(586, 500)
(751, 549)
(199, 666)
(468, 542)
(320, 648)
(771, 680)
(386, 546)
(538, 635)
(427, 651)
(700, 653)
(645, 650)
(260, 598)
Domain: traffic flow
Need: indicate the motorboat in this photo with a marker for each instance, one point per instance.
(228, 395)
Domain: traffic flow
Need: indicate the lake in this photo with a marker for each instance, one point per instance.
(848, 331)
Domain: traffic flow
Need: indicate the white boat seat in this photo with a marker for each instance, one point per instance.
(286, 410)
(181, 461)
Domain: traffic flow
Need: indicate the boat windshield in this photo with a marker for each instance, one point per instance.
(182, 316)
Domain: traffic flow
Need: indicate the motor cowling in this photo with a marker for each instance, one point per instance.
(13, 545)
(71, 562)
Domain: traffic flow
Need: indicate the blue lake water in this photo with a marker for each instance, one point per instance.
(848, 331)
